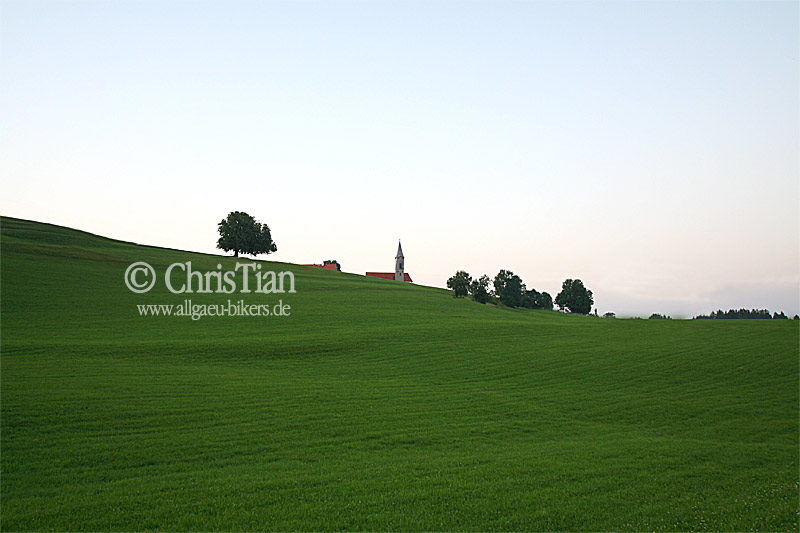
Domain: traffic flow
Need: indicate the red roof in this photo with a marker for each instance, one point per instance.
(388, 275)
(329, 266)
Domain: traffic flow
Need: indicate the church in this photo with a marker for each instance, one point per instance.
(399, 268)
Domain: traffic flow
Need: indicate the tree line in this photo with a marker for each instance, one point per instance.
(744, 313)
(509, 289)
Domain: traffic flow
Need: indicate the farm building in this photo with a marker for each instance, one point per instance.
(329, 266)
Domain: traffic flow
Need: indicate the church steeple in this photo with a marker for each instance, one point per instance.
(398, 263)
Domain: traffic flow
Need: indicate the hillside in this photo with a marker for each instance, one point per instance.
(375, 405)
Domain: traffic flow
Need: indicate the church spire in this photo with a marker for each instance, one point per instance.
(398, 263)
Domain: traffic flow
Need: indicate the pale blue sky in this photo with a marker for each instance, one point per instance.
(648, 148)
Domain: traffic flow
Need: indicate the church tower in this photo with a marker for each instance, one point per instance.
(398, 264)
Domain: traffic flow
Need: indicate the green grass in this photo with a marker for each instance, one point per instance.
(376, 405)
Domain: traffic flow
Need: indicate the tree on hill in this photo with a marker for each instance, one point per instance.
(545, 301)
(241, 233)
(533, 299)
(459, 283)
(529, 298)
(574, 297)
(479, 289)
(333, 262)
(657, 315)
(509, 288)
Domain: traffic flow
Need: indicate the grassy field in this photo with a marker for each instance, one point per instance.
(376, 405)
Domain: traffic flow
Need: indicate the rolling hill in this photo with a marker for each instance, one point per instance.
(375, 405)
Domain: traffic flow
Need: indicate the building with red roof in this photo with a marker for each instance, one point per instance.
(389, 275)
(399, 273)
(329, 266)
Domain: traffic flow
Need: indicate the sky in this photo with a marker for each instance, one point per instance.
(649, 148)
